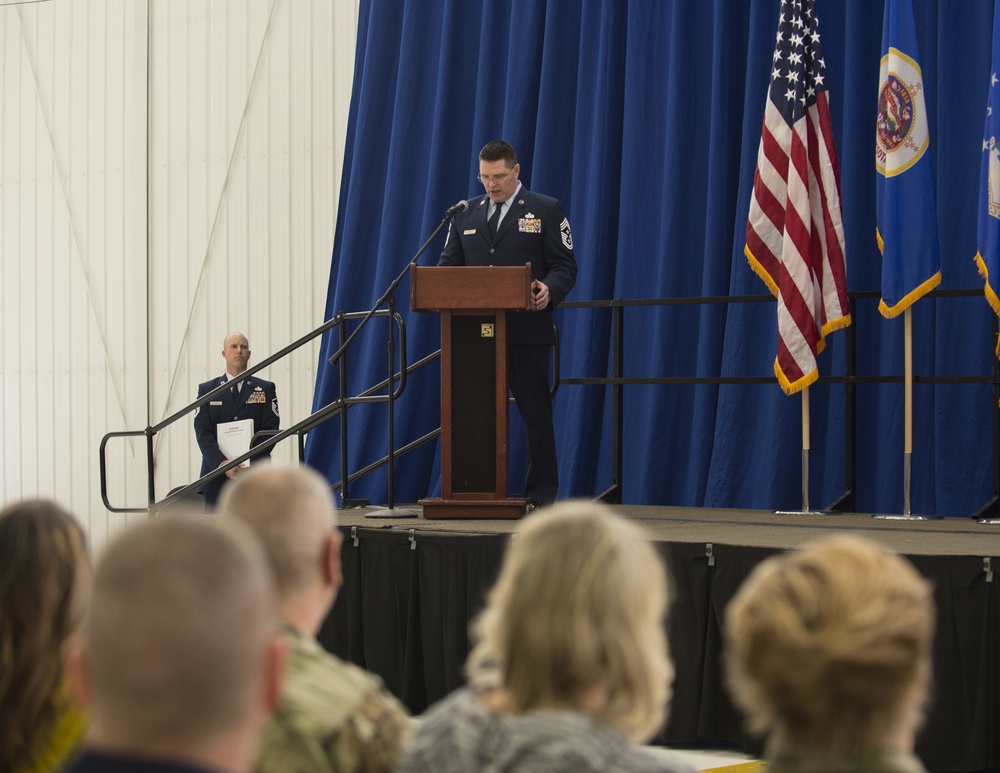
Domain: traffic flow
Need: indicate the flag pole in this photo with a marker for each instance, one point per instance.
(907, 515)
(805, 464)
(805, 450)
(907, 405)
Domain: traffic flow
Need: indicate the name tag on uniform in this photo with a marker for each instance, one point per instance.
(468, 232)
(215, 402)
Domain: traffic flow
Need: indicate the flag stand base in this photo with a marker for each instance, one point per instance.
(905, 517)
(806, 512)
(391, 512)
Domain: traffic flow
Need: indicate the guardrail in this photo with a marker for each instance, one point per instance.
(616, 380)
(269, 439)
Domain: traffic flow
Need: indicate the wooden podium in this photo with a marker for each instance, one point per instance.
(473, 301)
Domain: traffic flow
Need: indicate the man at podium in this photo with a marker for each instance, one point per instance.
(511, 226)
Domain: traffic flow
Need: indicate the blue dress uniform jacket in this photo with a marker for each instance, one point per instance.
(534, 231)
(101, 762)
(257, 400)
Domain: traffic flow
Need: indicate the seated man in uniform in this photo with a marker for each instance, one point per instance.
(333, 715)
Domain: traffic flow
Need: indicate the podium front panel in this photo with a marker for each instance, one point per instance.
(473, 403)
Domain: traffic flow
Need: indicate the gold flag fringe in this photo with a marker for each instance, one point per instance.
(791, 387)
(991, 296)
(910, 298)
(760, 271)
(787, 386)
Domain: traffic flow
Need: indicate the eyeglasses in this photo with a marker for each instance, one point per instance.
(485, 179)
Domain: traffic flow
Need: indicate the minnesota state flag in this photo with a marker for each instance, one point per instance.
(988, 257)
(906, 213)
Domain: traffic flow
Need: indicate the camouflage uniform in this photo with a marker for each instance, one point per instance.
(333, 716)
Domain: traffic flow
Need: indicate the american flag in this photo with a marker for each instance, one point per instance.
(795, 237)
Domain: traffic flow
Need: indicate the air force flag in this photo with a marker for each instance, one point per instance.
(988, 257)
(906, 213)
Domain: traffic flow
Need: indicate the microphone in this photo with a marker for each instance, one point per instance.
(460, 207)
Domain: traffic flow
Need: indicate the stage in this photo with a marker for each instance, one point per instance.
(411, 585)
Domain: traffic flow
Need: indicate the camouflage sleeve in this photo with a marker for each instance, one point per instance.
(281, 750)
(373, 738)
(334, 717)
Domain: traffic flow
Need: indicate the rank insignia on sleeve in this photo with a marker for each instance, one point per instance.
(564, 232)
(529, 224)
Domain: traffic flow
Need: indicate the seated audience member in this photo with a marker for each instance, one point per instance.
(333, 715)
(178, 662)
(571, 667)
(828, 650)
(43, 577)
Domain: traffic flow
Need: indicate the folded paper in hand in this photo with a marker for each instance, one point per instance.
(234, 438)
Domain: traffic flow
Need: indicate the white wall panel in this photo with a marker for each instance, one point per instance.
(73, 215)
(247, 141)
(169, 171)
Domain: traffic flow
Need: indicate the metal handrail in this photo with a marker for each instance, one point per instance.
(617, 381)
(300, 428)
(846, 501)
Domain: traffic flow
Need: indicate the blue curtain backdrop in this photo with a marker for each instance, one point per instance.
(643, 118)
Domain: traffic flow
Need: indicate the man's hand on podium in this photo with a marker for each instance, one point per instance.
(539, 295)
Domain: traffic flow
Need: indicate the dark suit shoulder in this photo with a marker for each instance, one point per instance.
(260, 382)
(538, 200)
(476, 203)
(212, 383)
(252, 380)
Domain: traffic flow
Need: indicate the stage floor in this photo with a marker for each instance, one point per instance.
(751, 528)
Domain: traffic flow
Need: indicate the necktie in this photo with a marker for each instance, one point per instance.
(495, 220)
(236, 390)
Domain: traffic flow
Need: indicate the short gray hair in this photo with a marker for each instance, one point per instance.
(291, 511)
(178, 628)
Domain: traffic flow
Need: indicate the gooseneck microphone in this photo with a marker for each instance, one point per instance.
(460, 207)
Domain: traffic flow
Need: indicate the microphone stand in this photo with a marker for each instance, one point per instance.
(388, 297)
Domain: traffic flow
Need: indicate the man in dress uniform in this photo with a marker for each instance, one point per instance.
(511, 226)
(248, 398)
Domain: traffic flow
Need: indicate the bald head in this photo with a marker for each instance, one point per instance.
(177, 635)
(290, 509)
(236, 351)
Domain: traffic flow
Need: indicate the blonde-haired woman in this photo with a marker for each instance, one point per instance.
(571, 667)
(828, 650)
(43, 572)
